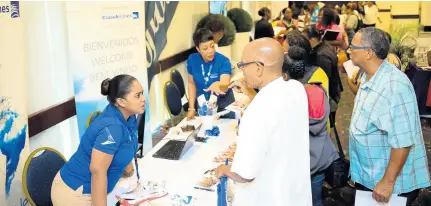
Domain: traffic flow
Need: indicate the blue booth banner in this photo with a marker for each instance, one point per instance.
(158, 17)
(13, 105)
(105, 39)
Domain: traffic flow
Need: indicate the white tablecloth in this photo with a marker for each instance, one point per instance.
(182, 175)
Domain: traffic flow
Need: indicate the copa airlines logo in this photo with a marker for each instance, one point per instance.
(110, 139)
(13, 9)
(133, 15)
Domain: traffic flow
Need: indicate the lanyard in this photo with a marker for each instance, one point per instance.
(206, 78)
(137, 168)
(135, 148)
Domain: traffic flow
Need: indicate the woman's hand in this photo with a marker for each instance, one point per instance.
(215, 88)
(128, 172)
(191, 114)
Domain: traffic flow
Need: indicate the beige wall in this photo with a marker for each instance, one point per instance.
(397, 8)
(404, 7)
(179, 38)
(426, 13)
(256, 5)
(233, 4)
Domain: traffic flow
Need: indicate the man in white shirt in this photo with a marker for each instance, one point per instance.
(271, 165)
(371, 14)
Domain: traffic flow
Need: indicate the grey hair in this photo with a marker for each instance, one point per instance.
(377, 40)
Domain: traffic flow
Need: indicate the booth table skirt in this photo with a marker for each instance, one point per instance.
(420, 79)
(182, 175)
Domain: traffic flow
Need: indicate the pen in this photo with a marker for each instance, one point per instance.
(122, 201)
(206, 189)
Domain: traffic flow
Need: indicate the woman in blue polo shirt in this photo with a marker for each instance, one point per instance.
(209, 72)
(107, 147)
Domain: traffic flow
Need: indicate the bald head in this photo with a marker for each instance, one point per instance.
(266, 50)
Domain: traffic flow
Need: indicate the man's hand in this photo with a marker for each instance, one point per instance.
(383, 190)
(239, 86)
(215, 88)
(222, 170)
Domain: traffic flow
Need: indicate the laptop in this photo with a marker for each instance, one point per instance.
(175, 149)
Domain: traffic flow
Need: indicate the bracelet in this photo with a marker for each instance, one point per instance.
(192, 109)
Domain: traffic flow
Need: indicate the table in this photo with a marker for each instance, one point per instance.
(182, 175)
(420, 79)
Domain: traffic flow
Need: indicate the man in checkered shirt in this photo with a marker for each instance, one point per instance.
(387, 151)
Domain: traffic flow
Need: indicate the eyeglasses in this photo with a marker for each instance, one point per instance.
(353, 47)
(241, 64)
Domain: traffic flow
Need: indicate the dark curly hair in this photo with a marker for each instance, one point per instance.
(294, 64)
(296, 38)
(212, 23)
(202, 35)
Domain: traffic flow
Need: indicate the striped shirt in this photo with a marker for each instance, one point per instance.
(386, 116)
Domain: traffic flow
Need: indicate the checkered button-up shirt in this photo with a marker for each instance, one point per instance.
(386, 116)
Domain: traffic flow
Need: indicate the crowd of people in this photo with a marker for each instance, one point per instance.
(284, 149)
(386, 146)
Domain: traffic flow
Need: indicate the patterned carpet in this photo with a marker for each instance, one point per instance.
(345, 196)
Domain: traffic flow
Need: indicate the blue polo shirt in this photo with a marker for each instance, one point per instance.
(111, 134)
(218, 66)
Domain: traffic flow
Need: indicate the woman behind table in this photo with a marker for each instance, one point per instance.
(263, 28)
(280, 15)
(209, 71)
(287, 23)
(322, 151)
(107, 147)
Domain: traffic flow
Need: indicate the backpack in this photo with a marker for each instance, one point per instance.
(308, 74)
(360, 23)
(337, 174)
